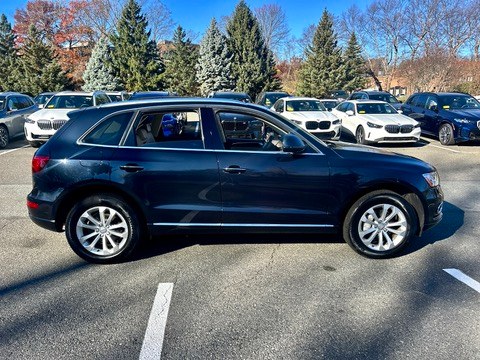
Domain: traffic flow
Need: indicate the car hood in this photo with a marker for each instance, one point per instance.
(470, 114)
(51, 114)
(311, 115)
(363, 155)
(385, 119)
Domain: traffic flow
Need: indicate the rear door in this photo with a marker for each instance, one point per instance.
(166, 166)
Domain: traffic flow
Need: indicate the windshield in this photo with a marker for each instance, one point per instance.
(69, 102)
(304, 105)
(375, 108)
(455, 102)
(2, 102)
(389, 98)
(271, 99)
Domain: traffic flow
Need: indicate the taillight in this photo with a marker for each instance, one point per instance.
(39, 162)
(32, 205)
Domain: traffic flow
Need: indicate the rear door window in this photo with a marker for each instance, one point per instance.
(109, 131)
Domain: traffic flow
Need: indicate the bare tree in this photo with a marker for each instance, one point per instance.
(103, 15)
(273, 24)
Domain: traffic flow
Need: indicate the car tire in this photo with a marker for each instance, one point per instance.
(4, 136)
(379, 224)
(103, 229)
(445, 134)
(35, 144)
(360, 135)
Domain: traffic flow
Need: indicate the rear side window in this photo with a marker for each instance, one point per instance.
(109, 131)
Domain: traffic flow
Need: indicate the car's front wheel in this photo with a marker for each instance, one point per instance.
(445, 134)
(4, 137)
(360, 135)
(103, 229)
(379, 224)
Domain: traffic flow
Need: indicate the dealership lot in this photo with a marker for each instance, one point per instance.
(244, 296)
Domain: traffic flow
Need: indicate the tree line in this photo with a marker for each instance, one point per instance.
(114, 45)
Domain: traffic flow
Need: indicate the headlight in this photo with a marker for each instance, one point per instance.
(432, 179)
(335, 122)
(372, 125)
(462, 121)
(29, 121)
(417, 125)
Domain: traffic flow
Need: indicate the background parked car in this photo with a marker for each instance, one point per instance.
(14, 107)
(373, 121)
(42, 98)
(376, 95)
(311, 115)
(111, 177)
(118, 95)
(329, 104)
(452, 117)
(340, 95)
(232, 95)
(144, 95)
(41, 125)
(268, 98)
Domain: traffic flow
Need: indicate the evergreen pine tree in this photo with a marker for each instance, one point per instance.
(38, 69)
(98, 75)
(135, 58)
(252, 63)
(8, 55)
(180, 65)
(354, 65)
(323, 70)
(213, 67)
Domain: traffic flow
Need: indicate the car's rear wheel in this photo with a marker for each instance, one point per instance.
(360, 135)
(445, 134)
(103, 229)
(4, 137)
(379, 224)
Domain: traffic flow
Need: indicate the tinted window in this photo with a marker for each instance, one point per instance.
(169, 130)
(246, 132)
(420, 100)
(109, 131)
(375, 108)
(279, 106)
(459, 101)
(384, 97)
(102, 99)
(343, 106)
(69, 102)
(272, 98)
(304, 105)
(25, 102)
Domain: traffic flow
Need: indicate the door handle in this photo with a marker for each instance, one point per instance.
(234, 169)
(131, 167)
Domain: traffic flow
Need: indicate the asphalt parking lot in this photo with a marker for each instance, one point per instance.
(243, 296)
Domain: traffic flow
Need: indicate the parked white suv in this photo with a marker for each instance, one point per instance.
(42, 124)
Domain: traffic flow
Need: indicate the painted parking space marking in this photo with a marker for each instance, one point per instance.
(445, 148)
(153, 341)
(12, 150)
(467, 280)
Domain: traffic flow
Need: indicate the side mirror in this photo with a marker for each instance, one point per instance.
(349, 112)
(40, 106)
(293, 144)
(400, 111)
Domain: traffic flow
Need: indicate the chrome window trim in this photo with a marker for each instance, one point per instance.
(243, 225)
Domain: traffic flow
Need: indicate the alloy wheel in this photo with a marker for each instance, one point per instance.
(382, 227)
(3, 137)
(102, 231)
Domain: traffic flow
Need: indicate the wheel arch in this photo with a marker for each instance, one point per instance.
(86, 190)
(404, 190)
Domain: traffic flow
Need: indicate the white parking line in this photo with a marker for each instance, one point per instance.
(9, 151)
(153, 341)
(457, 274)
(445, 148)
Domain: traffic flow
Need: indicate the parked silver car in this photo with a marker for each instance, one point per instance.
(14, 108)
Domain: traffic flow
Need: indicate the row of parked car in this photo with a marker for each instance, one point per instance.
(368, 116)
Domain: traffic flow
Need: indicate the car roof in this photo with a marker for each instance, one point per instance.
(299, 98)
(367, 101)
(9, 93)
(78, 93)
(372, 92)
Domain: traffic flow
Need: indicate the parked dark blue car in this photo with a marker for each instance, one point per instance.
(112, 176)
(452, 117)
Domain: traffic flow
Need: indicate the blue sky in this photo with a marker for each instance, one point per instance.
(196, 15)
